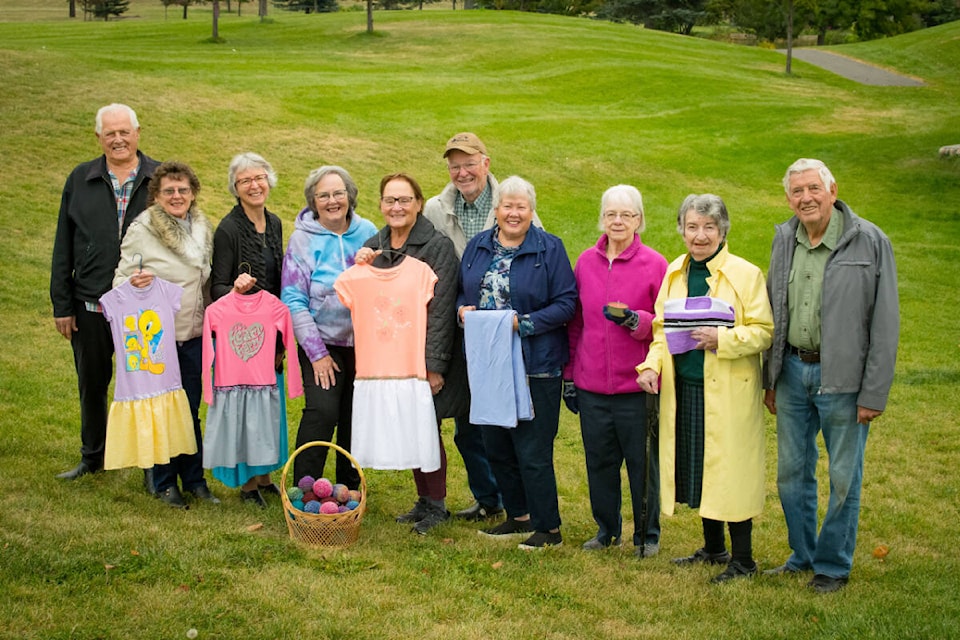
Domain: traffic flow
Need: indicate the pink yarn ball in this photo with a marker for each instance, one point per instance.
(329, 508)
(322, 488)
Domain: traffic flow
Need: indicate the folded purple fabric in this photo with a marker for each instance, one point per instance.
(682, 315)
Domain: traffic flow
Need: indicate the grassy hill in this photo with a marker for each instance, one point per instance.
(574, 106)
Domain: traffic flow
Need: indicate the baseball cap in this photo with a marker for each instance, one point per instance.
(467, 142)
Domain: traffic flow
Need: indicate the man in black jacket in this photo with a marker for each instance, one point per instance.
(100, 199)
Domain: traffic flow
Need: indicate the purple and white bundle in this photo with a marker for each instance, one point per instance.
(682, 315)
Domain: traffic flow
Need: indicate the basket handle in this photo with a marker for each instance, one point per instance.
(321, 443)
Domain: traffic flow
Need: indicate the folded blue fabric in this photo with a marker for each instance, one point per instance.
(499, 393)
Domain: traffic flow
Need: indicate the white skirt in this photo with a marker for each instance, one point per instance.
(395, 425)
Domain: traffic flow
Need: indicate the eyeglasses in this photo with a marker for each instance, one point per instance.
(469, 166)
(626, 216)
(323, 198)
(169, 191)
(246, 182)
(403, 201)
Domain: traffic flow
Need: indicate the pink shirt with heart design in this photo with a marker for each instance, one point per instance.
(245, 328)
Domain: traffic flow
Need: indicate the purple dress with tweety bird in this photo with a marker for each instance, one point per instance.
(149, 420)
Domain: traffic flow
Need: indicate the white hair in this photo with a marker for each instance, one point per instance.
(110, 108)
(624, 194)
(806, 164)
(516, 186)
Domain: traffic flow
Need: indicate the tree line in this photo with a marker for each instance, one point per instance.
(768, 21)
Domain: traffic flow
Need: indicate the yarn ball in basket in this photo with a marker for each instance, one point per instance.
(351, 505)
(306, 483)
(308, 496)
(355, 495)
(294, 494)
(323, 488)
(341, 493)
(329, 507)
(312, 507)
(343, 508)
(297, 504)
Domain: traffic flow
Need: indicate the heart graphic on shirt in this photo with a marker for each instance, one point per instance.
(246, 341)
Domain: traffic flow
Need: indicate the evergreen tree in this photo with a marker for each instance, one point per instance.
(106, 8)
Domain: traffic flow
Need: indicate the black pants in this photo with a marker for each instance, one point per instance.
(187, 466)
(614, 430)
(324, 411)
(93, 357)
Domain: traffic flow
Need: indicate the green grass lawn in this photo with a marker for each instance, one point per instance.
(574, 106)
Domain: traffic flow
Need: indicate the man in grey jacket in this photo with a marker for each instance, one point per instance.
(833, 288)
(100, 199)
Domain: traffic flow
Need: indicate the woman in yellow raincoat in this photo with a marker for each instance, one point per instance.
(713, 320)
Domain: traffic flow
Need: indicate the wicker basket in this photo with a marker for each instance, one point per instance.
(328, 530)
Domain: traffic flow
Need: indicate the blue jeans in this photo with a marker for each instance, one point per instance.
(802, 411)
(469, 440)
(188, 466)
(614, 430)
(522, 458)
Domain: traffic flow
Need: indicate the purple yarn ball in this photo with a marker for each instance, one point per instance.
(306, 483)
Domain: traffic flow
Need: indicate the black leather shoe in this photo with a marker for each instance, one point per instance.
(81, 469)
(254, 497)
(271, 488)
(172, 497)
(735, 570)
(148, 485)
(825, 584)
(477, 512)
(203, 493)
(701, 556)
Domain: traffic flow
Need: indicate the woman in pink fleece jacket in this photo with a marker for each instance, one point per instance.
(618, 280)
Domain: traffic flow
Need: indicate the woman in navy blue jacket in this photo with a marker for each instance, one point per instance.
(517, 266)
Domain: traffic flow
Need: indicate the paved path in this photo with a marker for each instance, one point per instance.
(853, 69)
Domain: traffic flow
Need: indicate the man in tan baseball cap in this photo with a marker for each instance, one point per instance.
(462, 210)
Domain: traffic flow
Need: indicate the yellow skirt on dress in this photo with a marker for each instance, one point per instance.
(142, 433)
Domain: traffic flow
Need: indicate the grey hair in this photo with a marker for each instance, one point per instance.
(319, 174)
(248, 160)
(628, 195)
(705, 204)
(806, 164)
(116, 106)
(516, 186)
